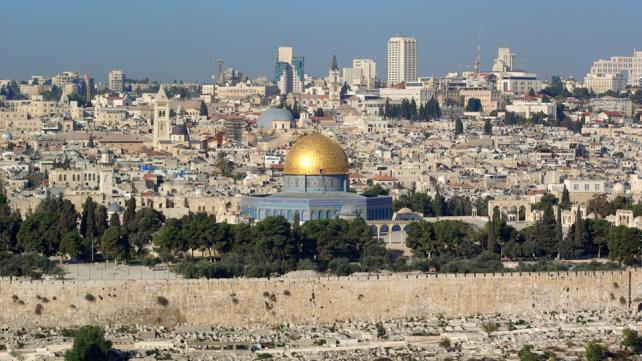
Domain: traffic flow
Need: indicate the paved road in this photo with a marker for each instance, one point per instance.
(102, 271)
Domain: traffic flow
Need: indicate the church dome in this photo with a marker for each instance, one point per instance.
(275, 114)
(179, 129)
(316, 154)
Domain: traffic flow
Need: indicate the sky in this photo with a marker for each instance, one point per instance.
(177, 39)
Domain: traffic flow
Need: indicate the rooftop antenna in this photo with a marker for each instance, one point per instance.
(478, 59)
(401, 33)
(523, 55)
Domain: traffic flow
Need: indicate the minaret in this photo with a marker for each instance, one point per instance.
(161, 117)
(334, 82)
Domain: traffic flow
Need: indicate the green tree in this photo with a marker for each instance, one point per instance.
(202, 111)
(599, 205)
(421, 238)
(10, 222)
(114, 244)
(100, 220)
(545, 234)
(624, 243)
(599, 233)
(375, 190)
(42, 231)
(343, 93)
(459, 127)
(87, 219)
(488, 127)
(199, 230)
(146, 222)
(439, 206)
(89, 345)
(565, 202)
(223, 164)
(170, 239)
(272, 237)
(71, 244)
(129, 216)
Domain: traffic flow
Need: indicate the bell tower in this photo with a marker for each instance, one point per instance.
(334, 83)
(161, 123)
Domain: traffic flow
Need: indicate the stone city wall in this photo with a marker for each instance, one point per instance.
(325, 299)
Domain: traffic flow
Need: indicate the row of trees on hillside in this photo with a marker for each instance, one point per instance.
(439, 206)
(545, 239)
(409, 110)
(53, 229)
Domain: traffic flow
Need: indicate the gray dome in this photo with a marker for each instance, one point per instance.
(114, 208)
(179, 129)
(267, 117)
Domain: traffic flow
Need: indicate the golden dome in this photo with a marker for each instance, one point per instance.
(316, 154)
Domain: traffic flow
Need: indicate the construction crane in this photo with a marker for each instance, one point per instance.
(477, 64)
(219, 62)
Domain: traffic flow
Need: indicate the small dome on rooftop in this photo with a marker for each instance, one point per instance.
(179, 129)
(273, 114)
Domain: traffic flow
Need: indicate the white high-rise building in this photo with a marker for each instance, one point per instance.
(116, 80)
(601, 83)
(505, 60)
(631, 65)
(284, 54)
(402, 60)
(363, 73)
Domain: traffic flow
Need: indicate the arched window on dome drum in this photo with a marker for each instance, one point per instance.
(306, 215)
(328, 214)
(268, 213)
(315, 215)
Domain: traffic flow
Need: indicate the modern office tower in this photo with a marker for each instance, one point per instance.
(289, 71)
(298, 66)
(402, 60)
(631, 65)
(116, 80)
(88, 86)
(505, 60)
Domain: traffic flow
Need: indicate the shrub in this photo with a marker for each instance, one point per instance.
(89, 344)
(27, 265)
(489, 327)
(89, 297)
(445, 343)
(38, 310)
(381, 331)
(342, 266)
(595, 352)
(162, 301)
(632, 341)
